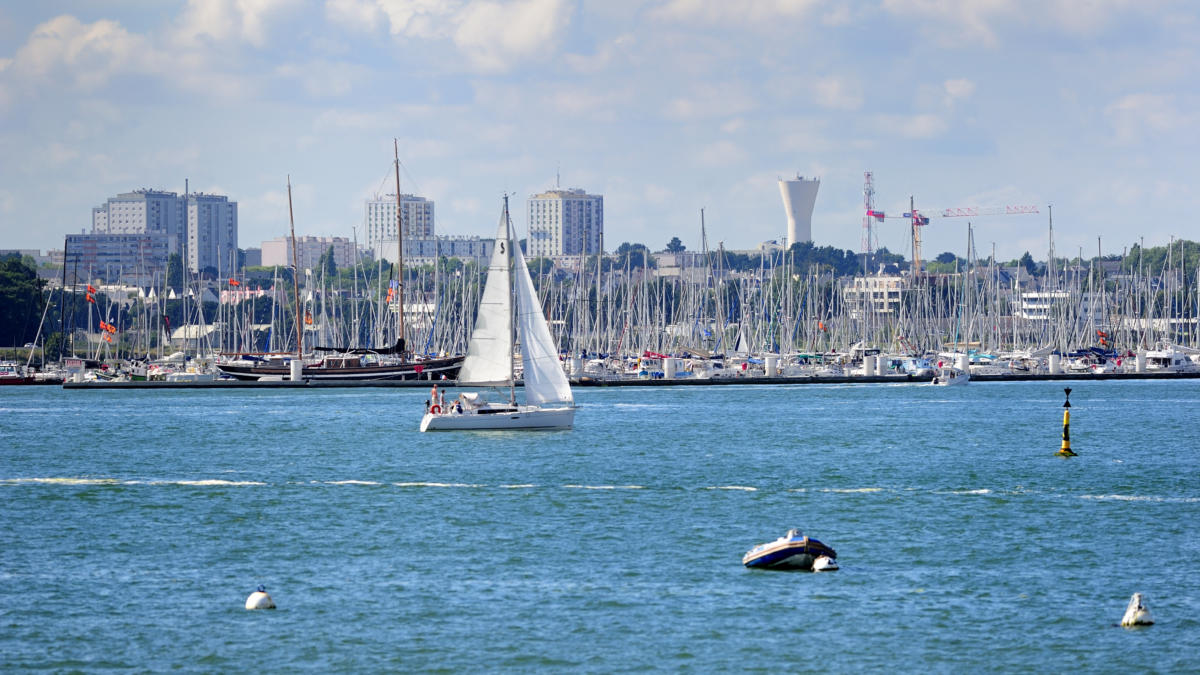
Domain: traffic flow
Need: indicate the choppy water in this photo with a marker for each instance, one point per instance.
(135, 523)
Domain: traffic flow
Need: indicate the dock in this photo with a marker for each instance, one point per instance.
(615, 382)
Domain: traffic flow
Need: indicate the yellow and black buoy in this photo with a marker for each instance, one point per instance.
(1065, 450)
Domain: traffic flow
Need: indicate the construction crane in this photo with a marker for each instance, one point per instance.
(920, 220)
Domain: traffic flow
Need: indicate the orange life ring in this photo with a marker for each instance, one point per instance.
(435, 409)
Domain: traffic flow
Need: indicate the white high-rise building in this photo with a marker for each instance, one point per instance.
(143, 212)
(380, 221)
(799, 196)
(565, 222)
(202, 228)
(212, 233)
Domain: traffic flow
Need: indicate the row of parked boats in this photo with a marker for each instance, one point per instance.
(392, 364)
(874, 363)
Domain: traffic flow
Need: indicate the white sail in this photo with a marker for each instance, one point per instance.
(545, 381)
(489, 353)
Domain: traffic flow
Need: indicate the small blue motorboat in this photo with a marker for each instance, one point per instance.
(792, 551)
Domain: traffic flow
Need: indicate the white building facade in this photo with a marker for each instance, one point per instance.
(565, 222)
(212, 233)
(202, 228)
(278, 251)
(416, 215)
(425, 250)
(143, 212)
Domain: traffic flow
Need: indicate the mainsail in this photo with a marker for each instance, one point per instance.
(545, 381)
(489, 353)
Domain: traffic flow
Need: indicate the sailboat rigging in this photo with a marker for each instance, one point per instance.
(509, 311)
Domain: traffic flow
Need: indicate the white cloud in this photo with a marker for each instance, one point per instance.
(964, 23)
(954, 22)
(492, 35)
(409, 18)
(958, 89)
(733, 126)
(721, 153)
(1136, 116)
(706, 101)
(604, 57)
(87, 55)
(920, 127)
(657, 194)
(837, 93)
(764, 13)
(325, 78)
(205, 21)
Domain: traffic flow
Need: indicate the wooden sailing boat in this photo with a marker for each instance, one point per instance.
(382, 363)
(489, 362)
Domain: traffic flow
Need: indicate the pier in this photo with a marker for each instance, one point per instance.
(632, 382)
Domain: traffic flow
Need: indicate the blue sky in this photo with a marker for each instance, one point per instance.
(663, 107)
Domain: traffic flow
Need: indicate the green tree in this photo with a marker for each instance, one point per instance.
(636, 255)
(675, 246)
(540, 266)
(21, 301)
(175, 272)
(327, 264)
(1027, 262)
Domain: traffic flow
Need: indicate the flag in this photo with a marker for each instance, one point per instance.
(91, 288)
(103, 326)
(234, 282)
(90, 298)
(107, 337)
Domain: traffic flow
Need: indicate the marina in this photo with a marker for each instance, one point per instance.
(629, 382)
(138, 522)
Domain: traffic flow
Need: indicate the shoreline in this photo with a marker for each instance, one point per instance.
(591, 382)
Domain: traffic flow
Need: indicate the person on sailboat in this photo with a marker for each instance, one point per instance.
(435, 400)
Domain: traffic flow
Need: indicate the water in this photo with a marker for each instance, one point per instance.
(135, 523)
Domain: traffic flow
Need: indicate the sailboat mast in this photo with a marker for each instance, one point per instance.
(512, 309)
(295, 275)
(399, 252)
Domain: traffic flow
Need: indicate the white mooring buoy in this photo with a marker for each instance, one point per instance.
(260, 600)
(1136, 614)
(824, 563)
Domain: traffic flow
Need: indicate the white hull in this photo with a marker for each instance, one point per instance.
(524, 417)
(951, 377)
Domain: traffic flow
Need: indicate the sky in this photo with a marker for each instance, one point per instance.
(664, 107)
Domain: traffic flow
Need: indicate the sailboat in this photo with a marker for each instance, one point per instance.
(506, 314)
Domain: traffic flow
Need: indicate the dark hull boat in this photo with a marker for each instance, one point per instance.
(792, 551)
(350, 368)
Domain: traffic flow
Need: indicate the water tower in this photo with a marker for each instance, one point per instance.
(799, 196)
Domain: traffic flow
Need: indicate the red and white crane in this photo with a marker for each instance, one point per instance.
(918, 218)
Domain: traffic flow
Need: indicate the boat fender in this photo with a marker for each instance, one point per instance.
(824, 563)
(260, 600)
(435, 409)
(1136, 614)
